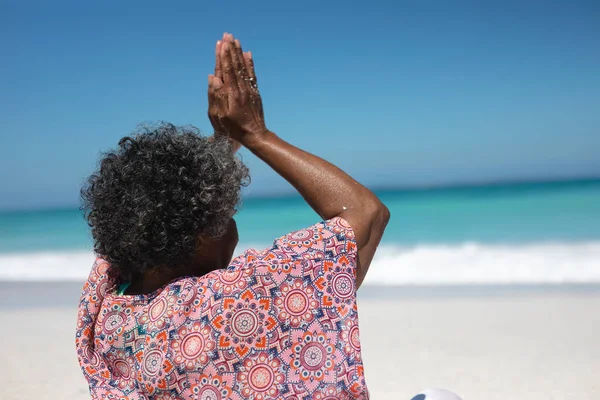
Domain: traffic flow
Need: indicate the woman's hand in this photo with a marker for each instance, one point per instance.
(214, 100)
(235, 105)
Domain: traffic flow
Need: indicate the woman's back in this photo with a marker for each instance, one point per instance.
(276, 323)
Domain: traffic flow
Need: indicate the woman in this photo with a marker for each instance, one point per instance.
(167, 314)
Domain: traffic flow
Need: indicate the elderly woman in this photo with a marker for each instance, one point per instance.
(167, 314)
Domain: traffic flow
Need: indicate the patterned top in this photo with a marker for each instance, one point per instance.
(278, 323)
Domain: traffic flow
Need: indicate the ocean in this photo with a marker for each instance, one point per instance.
(525, 233)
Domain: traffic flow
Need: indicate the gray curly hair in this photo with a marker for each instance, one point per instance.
(154, 195)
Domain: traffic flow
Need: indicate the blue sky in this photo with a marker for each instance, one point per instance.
(397, 93)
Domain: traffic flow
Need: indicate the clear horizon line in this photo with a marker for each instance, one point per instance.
(291, 193)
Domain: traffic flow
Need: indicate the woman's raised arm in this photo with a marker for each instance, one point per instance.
(326, 188)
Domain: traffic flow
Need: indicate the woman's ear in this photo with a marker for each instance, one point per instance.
(205, 247)
(201, 242)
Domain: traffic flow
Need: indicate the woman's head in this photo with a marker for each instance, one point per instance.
(160, 195)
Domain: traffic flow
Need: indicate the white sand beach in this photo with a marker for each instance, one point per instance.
(539, 345)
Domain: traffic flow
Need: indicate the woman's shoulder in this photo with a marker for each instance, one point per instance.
(326, 239)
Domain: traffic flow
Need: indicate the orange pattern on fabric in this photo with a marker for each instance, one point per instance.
(277, 323)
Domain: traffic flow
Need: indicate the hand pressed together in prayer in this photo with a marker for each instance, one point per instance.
(234, 102)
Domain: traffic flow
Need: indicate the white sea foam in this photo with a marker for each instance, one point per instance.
(462, 264)
(50, 266)
(478, 264)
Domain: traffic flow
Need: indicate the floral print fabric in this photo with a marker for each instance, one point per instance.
(278, 323)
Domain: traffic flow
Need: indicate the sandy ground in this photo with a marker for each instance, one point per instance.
(534, 346)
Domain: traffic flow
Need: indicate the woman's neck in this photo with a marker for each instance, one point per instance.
(156, 278)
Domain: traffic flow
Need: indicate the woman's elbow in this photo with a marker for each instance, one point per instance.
(383, 216)
(379, 216)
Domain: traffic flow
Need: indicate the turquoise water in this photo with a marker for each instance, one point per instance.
(511, 214)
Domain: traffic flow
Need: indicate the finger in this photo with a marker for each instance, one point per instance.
(229, 74)
(215, 102)
(250, 67)
(240, 54)
(237, 58)
(215, 92)
(218, 68)
(215, 86)
(238, 68)
(212, 97)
